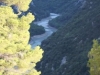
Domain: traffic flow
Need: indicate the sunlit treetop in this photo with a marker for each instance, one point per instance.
(16, 55)
(94, 59)
(23, 5)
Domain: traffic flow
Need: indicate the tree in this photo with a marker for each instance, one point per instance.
(16, 55)
(23, 5)
(94, 59)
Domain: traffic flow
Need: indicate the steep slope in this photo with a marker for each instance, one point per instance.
(43, 8)
(67, 12)
(65, 52)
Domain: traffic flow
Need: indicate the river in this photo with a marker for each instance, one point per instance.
(37, 39)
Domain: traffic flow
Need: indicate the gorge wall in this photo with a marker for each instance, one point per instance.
(65, 52)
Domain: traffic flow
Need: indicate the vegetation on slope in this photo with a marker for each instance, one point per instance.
(67, 11)
(16, 56)
(66, 8)
(36, 30)
(73, 41)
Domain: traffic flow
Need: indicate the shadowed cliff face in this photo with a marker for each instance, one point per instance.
(43, 8)
(65, 52)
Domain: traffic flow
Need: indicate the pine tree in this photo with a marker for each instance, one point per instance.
(16, 55)
(94, 59)
(23, 5)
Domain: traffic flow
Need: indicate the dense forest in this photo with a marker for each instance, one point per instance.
(16, 55)
(68, 51)
(66, 8)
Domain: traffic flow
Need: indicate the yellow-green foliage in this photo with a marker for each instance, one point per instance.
(23, 5)
(94, 59)
(16, 56)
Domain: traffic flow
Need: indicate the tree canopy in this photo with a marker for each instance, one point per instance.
(23, 5)
(94, 59)
(16, 55)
